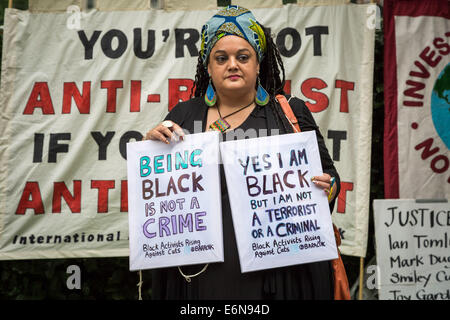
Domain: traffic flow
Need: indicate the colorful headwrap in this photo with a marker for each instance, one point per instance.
(232, 20)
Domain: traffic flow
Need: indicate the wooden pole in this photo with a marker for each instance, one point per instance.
(361, 277)
(10, 3)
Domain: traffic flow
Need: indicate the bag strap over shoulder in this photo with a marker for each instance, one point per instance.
(288, 112)
(341, 286)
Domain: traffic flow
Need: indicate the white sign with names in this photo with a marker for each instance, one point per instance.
(413, 249)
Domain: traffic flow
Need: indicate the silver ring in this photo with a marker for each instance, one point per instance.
(167, 124)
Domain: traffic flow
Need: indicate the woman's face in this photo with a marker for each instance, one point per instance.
(233, 66)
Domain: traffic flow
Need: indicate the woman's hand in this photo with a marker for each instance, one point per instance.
(327, 183)
(166, 131)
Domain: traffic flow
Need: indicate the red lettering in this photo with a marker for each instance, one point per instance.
(135, 96)
(124, 196)
(35, 202)
(40, 90)
(342, 198)
(111, 86)
(320, 98)
(412, 92)
(153, 98)
(73, 201)
(423, 71)
(103, 187)
(179, 90)
(287, 87)
(440, 163)
(440, 43)
(413, 103)
(82, 101)
(345, 86)
(439, 159)
(427, 152)
(428, 55)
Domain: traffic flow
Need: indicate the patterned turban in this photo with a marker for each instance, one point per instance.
(232, 20)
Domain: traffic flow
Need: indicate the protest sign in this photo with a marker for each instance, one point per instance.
(413, 256)
(174, 202)
(280, 217)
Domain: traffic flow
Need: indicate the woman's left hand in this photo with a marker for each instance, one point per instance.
(326, 182)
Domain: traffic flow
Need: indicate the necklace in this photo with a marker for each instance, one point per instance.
(221, 124)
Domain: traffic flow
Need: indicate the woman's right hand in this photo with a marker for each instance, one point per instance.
(165, 132)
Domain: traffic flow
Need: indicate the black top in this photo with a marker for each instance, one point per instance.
(225, 280)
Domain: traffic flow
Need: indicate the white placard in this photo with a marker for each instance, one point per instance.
(280, 217)
(413, 249)
(174, 202)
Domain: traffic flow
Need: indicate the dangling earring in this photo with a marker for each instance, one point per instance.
(262, 97)
(210, 95)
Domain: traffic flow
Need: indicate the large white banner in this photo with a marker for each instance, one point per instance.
(73, 94)
(175, 215)
(413, 256)
(280, 217)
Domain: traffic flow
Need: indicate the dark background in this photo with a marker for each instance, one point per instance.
(110, 278)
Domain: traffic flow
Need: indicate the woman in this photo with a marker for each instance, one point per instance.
(238, 76)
